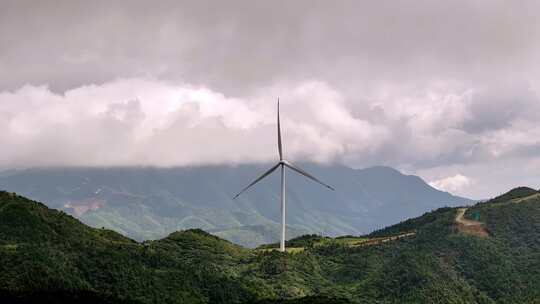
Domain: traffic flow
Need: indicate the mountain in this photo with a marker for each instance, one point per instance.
(48, 256)
(150, 203)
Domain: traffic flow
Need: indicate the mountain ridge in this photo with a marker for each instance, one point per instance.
(148, 203)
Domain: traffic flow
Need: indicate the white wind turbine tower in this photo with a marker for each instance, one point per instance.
(282, 164)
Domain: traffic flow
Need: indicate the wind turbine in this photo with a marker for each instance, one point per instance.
(282, 164)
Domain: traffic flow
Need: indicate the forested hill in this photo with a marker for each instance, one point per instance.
(488, 253)
(150, 203)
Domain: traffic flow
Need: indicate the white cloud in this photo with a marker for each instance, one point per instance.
(151, 122)
(146, 121)
(456, 184)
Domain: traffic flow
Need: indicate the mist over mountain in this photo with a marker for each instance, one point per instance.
(149, 203)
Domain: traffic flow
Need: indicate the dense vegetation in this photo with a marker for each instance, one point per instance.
(47, 255)
(150, 203)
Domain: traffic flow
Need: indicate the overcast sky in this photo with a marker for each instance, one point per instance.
(447, 90)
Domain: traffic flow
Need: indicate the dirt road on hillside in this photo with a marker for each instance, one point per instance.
(469, 226)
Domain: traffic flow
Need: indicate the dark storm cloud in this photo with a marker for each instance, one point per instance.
(236, 46)
(497, 107)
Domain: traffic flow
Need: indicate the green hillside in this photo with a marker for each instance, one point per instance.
(146, 203)
(47, 255)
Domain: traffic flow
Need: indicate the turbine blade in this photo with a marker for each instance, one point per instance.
(258, 179)
(280, 149)
(304, 173)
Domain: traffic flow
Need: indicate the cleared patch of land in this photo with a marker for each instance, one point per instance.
(9, 246)
(525, 199)
(350, 241)
(380, 240)
(469, 226)
(288, 249)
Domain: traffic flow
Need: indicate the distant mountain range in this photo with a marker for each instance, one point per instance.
(150, 203)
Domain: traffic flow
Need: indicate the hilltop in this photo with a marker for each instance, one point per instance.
(150, 203)
(46, 253)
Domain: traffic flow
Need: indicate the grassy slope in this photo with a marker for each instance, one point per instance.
(46, 251)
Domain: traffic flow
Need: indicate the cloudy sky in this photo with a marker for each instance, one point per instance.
(448, 90)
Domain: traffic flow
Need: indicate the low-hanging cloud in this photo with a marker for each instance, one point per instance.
(152, 122)
(454, 184)
(146, 121)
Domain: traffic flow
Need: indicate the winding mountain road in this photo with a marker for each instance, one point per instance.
(469, 226)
